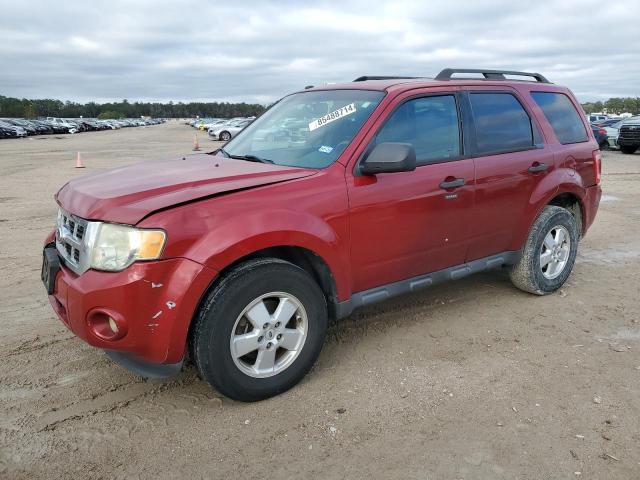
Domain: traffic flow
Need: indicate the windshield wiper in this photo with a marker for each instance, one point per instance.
(250, 158)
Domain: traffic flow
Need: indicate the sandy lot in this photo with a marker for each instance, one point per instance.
(468, 380)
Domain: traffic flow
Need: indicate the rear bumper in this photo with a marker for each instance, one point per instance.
(591, 204)
(152, 302)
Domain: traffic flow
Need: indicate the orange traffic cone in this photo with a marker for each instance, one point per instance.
(196, 145)
(79, 162)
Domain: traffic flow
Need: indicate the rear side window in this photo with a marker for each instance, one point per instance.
(501, 123)
(430, 124)
(562, 116)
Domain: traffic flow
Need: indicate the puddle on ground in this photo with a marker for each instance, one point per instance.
(626, 334)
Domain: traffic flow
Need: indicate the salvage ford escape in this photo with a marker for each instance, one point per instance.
(335, 198)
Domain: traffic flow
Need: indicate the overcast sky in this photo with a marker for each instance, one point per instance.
(257, 51)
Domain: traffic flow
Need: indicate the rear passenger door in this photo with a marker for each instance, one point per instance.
(510, 162)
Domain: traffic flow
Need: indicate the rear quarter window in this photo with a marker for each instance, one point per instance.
(562, 115)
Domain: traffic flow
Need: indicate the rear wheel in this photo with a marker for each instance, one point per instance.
(260, 330)
(628, 150)
(549, 253)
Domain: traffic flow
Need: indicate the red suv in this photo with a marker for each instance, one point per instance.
(337, 197)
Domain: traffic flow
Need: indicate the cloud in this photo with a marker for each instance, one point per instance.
(261, 50)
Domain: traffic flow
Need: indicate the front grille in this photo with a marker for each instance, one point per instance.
(629, 132)
(71, 233)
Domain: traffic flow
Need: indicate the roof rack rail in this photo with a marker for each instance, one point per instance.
(447, 73)
(376, 77)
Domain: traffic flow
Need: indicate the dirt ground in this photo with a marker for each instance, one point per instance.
(467, 380)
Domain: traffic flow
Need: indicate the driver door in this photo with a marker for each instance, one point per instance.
(410, 223)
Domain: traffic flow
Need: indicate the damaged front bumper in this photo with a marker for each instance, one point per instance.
(141, 315)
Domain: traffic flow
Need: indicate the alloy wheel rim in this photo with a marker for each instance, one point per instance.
(269, 334)
(555, 251)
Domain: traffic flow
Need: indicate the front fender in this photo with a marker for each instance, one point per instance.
(237, 238)
(310, 213)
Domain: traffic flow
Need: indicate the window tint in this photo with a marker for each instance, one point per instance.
(562, 116)
(430, 124)
(501, 123)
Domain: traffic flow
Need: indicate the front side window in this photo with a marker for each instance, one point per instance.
(307, 129)
(430, 124)
(501, 123)
(562, 116)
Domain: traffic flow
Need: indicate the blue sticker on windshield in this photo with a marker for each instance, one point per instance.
(325, 149)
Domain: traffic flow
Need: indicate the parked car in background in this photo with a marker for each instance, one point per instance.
(41, 128)
(629, 135)
(226, 132)
(57, 127)
(18, 127)
(613, 128)
(19, 131)
(69, 127)
(601, 136)
(31, 130)
(608, 122)
(243, 256)
(7, 132)
(597, 117)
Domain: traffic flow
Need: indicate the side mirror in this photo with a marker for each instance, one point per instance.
(389, 157)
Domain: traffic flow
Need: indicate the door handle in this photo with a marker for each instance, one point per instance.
(455, 183)
(538, 167)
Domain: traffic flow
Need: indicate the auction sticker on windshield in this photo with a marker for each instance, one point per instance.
(333, 116)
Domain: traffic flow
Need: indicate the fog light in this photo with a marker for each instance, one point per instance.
(107, 324)
(112, 325)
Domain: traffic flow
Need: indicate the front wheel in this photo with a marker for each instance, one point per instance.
(260, 330)
(628, 150)
(549, 253)
(225, 136)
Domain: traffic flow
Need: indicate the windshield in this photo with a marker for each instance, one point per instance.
(308, 129)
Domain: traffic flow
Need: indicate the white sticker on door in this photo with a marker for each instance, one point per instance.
(333, 116)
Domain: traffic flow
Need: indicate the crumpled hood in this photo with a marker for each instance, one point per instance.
(128, 194)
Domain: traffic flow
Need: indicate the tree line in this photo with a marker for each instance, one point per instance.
(614, 106)
(28, 108)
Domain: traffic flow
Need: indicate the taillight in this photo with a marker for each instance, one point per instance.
(597, 165)
(602, 131)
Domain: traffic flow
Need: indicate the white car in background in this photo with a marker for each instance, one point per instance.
(72, 128)
(227, 131)
(214, 123)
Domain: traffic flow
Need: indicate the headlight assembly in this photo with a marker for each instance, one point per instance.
(117, 246)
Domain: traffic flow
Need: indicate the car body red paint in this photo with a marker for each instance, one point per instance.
(367, 230)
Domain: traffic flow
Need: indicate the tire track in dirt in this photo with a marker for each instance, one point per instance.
(33, 345)
(116, 398)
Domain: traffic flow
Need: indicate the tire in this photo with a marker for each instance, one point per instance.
(223, 319)
(628, 150)
(530, 273)
(225, 136)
